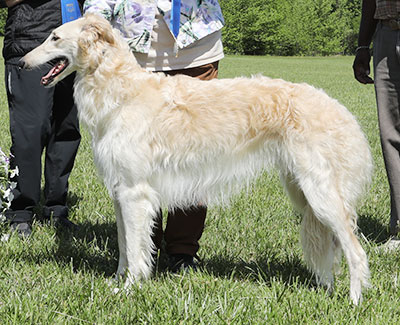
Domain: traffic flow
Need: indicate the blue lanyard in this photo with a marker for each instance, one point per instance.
(175, 17)
(70, 10)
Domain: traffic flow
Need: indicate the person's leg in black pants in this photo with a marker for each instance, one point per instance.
(29, 107)
(32, 127)
(62, 145)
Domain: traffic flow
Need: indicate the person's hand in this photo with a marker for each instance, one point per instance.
(361, 66)
(12, 3)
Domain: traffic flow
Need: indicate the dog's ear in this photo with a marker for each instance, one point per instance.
(94, 30)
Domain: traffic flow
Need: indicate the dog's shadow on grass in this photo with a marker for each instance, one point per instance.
(373, 229)
(94, 247)
(264, 269)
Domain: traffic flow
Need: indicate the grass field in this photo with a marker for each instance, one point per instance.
(253, 271)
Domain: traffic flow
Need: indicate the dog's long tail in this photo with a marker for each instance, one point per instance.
(325, 188)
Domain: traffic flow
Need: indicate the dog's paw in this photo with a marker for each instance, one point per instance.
(122, 284)
(115, 285)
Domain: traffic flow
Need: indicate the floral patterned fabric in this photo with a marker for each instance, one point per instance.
(135, 19)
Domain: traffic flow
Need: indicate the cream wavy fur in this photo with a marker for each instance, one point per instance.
(178, 141)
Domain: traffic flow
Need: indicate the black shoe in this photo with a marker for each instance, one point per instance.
(181, 262)
(23, 229)
(63, 223)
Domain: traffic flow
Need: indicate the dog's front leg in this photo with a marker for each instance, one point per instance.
(135, 208)
(122, 261)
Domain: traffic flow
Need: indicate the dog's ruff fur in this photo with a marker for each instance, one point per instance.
(178, 141)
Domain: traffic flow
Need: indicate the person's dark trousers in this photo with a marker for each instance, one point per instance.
(184, 226)
(387, 87)
(40, 119)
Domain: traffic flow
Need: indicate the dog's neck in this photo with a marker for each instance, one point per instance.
(104, 83)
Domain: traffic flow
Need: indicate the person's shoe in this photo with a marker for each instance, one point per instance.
(181, 262)
(63, 222)
(23, 229)
(57, 215)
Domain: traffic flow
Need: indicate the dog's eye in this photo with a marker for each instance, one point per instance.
(55, 38)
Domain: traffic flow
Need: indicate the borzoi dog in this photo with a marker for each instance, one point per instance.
(179, 141)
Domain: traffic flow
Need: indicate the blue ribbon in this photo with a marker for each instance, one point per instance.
(69, 10)
(175, 17)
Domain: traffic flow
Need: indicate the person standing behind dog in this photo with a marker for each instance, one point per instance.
(39, 117)
(383, 18)
(183, 39)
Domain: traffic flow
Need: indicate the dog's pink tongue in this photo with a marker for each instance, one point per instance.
(48, 75)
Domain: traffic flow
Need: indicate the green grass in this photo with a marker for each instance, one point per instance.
(253, 271)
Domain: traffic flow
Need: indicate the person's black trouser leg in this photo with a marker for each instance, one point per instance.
(40, 117)
(61, 149)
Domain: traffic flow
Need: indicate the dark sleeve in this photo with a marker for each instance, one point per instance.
(3, 4)
(368, 23)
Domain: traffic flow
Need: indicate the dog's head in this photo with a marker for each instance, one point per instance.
(68, 47)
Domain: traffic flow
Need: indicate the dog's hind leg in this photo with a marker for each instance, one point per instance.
(135, 208)
(326, 205)
(294, 192)
(320, 249)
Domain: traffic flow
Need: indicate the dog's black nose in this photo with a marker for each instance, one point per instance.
(21, 64)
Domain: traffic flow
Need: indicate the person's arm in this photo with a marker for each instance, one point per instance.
(9, 3)
(367, 28)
